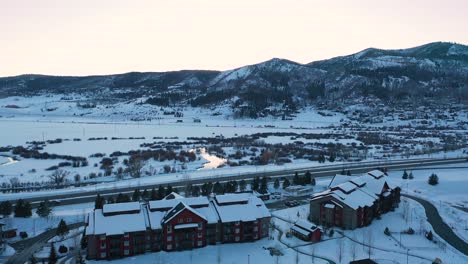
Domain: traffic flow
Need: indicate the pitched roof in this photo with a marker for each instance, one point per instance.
(181, 206)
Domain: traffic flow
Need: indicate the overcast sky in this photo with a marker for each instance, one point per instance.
(85, 37)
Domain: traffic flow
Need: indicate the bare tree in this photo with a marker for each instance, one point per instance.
(135, 166)
(353, 247)
(405, 211)
(340, 249)
(370, 240)
(58, 177)
(313, 254)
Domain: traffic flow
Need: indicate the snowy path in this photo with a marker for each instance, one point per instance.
(440, 227)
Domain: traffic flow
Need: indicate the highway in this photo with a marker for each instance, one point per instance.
(74, 197)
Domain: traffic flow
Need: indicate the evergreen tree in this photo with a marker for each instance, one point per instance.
(308, 177)
(218, 188)
(286, 183)
(312, 181)
(332, 157)
(196, 191)
(429, 235)
(411, 176)
(122, 198)
(242, 185)
(43, 210)
(433, 179)
(154, 195)
(169, 190)
(110, 200)
(264, 185)
(343, 172)
(145, 195)
(235, 186)
(204, 189)
(255, 183)
(161, 192)
(22, 208)
(6, 208)
(136, 195)
(62, 228)
(405, 175)
(99, 202)
(276, 185)
(296, 179)
(53, 254)
(348, 173)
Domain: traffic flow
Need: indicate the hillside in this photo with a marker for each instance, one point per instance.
(435, 70)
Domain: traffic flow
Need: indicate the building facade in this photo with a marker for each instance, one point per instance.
(174, 223)
(354, 202)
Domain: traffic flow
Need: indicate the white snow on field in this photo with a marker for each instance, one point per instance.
(451, 191)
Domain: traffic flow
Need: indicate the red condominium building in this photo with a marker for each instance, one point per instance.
(174, 223)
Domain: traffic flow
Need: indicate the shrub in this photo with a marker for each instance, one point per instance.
(429, 235)
(387, 231)
(433, 179)
(23, 235)
(63, 249)
(331, 233)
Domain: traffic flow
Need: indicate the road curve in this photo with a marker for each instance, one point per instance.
(440, 227)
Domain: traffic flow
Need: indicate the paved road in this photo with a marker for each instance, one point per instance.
(317, 171)
(440, 227)
(27, 247)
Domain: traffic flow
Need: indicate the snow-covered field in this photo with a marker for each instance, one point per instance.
(451, 191)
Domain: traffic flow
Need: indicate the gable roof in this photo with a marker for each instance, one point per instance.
(180, 207)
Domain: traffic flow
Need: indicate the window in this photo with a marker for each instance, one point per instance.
(200, 226)
(169, 228)
(126, 235)
(237, 239)
(103, 237)
(255, 236)
(169, 238)
(103, 254)
(200, 243)
(255, 228)
(199, 235)
(126, 243)
(169, 247)
(255, 222)
(126, 252)
(181, 220)
(237, 230)
(103, 245)
(189, 219)
(237, 223)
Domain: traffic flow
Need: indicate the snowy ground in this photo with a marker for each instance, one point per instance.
(388, 248)
(35, 225)
(451, 191)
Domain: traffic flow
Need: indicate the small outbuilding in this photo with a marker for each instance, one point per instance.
(306, 231)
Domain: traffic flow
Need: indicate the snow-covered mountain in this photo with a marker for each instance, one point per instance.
(433, 70)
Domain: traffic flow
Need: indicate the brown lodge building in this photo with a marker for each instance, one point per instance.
(174, 223)
(352, 202)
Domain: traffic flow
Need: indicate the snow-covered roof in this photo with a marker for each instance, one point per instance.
(233, 198)
(346, 187)
(169, 203)
(116, 224)
(181, 206)
(253, 209)
(358, 191)
(304, 227)
(121, 208)
(376, 173)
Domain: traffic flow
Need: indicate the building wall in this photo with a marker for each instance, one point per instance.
(184, 217)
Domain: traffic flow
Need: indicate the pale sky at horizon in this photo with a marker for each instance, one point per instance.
(92, 37)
